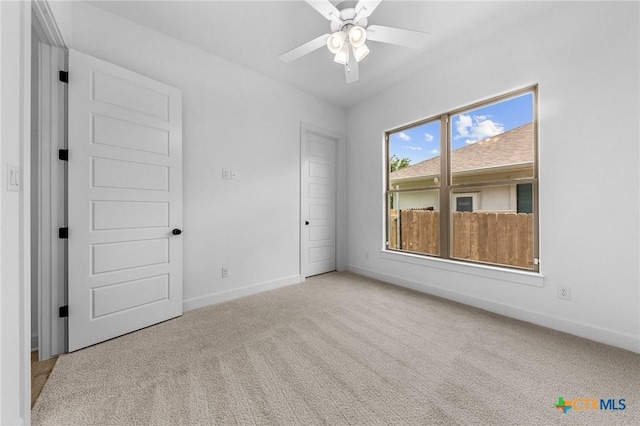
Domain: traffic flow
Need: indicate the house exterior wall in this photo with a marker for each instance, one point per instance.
(417, 200)
(501, 198)
(577, 95)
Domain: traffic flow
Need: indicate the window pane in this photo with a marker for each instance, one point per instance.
(414, 222)
(492, 230)
(525, 198)
(414, 157)
(493, 143)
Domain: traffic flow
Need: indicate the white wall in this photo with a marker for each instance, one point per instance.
(585, 57)
(15, 333)
(232, 118)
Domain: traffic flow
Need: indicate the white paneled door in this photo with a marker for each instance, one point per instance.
(124, 201)
(318, 201)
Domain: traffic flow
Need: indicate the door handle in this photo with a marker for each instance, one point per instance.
(176, 231)
(306, 222)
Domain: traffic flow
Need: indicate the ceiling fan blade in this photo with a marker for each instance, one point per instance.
(364, 8)
(326, 9)
(399, 36)
(351, 71)
(305, 48)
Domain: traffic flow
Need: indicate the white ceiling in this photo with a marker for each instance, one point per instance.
(254, 33)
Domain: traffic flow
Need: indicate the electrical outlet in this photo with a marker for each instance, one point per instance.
(225, 272)
(233, 175)
(226, 174)
(564, 292)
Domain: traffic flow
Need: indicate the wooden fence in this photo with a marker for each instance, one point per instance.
(500, 238)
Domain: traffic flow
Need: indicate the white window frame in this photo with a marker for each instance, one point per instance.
(449, 191)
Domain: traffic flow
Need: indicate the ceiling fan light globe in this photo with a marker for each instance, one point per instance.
(357, 36)
(342, 57)
(336, 41)
(359, 53)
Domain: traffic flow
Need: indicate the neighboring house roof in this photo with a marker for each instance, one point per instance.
(506, 149)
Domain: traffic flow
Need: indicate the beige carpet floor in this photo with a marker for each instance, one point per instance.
(339, 349)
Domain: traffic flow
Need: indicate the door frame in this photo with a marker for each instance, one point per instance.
(48, 185)
(340, 195)
(49, 182)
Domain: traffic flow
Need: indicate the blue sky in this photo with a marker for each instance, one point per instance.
(423, 142)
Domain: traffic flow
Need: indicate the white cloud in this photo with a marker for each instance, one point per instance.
(463, 124)
(476, 128)
(428, 137)
(404, 136)
(487, 128)
(412, 148)
(434, 151)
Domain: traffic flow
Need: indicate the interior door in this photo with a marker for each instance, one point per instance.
(318, 183)
(124, 201)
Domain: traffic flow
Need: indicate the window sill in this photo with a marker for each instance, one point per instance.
(486, 271)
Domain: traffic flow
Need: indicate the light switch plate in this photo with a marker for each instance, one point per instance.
(13, 178)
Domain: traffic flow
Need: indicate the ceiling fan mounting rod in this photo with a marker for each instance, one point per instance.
(347, 25)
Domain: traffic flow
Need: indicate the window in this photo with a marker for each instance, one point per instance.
(463, 185)
(525, 197)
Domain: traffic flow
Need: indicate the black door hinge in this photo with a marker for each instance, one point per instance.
(63, 311)
(63, 76)
(63, 233)
(63, 154)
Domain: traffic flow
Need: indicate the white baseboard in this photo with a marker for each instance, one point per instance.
(34, 342)
(587, 331)
(223, 296)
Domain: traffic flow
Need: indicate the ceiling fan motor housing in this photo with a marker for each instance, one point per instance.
(346, 16)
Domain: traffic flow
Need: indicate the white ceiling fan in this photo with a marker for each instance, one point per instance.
(349, 33)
